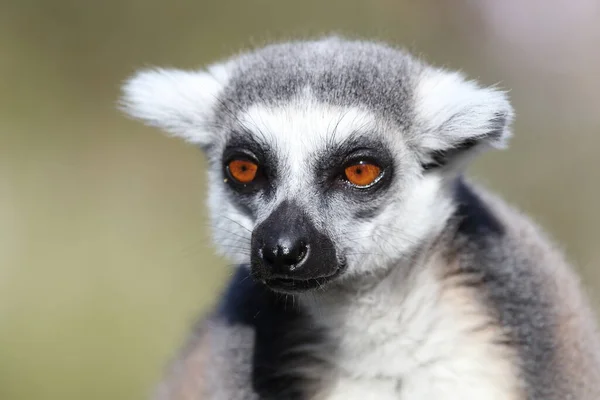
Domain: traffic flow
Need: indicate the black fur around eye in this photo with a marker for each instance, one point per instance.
(244, 172)
(364, 170)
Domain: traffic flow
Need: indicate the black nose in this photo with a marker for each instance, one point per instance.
(288, 247)
(284, 254)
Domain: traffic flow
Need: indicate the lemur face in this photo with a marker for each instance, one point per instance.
(327, 159)
(317, 187)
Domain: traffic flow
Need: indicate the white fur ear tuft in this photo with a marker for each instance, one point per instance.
(179, 102)
(453, 113)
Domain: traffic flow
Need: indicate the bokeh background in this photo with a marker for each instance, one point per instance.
(104, 253)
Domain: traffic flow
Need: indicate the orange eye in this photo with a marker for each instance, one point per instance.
(362, 174)
(243, 171)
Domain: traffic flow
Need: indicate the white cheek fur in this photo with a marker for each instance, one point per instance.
(374, 244)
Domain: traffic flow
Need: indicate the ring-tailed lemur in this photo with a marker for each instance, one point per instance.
(369, 268)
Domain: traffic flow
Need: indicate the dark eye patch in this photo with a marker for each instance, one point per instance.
(244, 146)
(330, 164)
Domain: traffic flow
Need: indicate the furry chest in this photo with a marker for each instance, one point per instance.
(437, 344)
(422, 386)
(358, 389)
(467, 367)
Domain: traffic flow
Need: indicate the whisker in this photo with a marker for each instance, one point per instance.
(242, 250)
(237, 223)
(248, 239)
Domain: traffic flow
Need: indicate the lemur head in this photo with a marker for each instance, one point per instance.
(327, 159)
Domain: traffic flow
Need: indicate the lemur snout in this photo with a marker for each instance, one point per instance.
(289, 253)
(284, 254)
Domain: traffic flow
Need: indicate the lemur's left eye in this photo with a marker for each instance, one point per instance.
(362, 174)
(243, 171)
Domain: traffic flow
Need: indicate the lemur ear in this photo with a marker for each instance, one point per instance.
(455, 116)
(179, 102)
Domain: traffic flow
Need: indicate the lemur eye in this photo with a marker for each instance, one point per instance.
(243, 171)
(362, 174)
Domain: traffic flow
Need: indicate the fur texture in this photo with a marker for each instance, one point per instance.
(445, 292)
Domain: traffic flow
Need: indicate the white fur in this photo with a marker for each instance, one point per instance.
(450, 109)
(300, 129)
(177, 101)
(416, 331)
(421, 209)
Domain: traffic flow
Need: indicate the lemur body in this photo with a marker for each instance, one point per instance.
(369, 268)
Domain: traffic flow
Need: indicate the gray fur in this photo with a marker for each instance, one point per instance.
(337, 72)
(430, 262)
(510, 279)
(534, 292)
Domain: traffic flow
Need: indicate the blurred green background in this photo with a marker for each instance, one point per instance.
(104, 253)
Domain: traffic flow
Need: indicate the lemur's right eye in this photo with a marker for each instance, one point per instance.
(243, 171)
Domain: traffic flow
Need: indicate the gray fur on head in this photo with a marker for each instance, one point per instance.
(383, 79)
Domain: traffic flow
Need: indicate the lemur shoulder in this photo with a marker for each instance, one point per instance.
(369, 268)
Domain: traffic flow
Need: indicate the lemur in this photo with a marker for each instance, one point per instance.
(369, 266)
